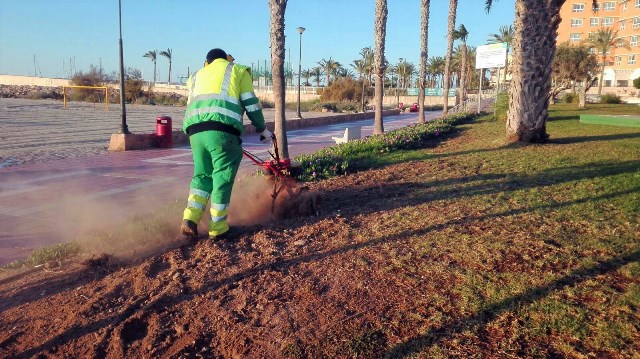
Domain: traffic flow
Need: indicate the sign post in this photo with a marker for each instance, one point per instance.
(490, 56)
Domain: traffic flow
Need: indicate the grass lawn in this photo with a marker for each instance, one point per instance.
(542, 242)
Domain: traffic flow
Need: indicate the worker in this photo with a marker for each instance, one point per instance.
(219, 94)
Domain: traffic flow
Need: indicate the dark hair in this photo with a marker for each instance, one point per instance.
(216, 54)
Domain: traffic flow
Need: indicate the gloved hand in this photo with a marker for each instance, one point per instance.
(266, 137)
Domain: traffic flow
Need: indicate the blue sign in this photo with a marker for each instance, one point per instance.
(430, 92)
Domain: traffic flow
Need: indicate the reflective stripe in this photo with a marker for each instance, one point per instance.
(217, 96)
(214, 109)
(196, 205)
(227, 79)
(247, 95)
(252, 108)
(219, 207)
(199, 192)
(193, 86)
(218, 219)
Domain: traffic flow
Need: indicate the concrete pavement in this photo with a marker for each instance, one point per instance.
(55, 201)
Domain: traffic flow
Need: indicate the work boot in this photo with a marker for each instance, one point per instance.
(189, 229)
(232, 233)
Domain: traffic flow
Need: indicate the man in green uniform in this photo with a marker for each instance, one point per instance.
(219, 94)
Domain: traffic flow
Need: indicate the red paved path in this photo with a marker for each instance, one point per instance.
(55, 201)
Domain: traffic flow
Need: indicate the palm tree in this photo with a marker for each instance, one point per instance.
(306, 74)
(329, 68)
(436, 69)
(535, 27)
(316, 72)
(451, 25)
(168, 55)
(366, 56)
(277, 8)
(380, 32)
(424, 32)
(462, 34)
(603, 41)
(405, 71)
(153, 55)
(505, 34)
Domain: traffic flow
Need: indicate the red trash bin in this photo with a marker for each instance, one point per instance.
(164, 136)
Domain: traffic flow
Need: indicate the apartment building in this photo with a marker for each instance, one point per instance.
(579, 20)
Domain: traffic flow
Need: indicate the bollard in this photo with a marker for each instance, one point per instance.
(164, 137)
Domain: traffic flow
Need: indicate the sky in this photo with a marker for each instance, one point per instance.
(84, 32)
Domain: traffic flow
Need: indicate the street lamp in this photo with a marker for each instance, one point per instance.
(300, 31)
(124, 128)
(398, 81)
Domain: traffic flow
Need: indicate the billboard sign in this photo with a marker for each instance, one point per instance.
(492, 55)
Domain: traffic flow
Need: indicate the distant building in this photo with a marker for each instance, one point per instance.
(579, 20)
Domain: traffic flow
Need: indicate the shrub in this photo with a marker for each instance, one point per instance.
(570, 97)
(502, 106)
(636, 83)
(94, 77)
(266, 104)
(610, 98)
(345, 89)
(352, 156)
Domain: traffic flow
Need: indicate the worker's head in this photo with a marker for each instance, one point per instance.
(216, 54)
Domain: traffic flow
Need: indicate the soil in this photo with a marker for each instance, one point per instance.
(279, 290)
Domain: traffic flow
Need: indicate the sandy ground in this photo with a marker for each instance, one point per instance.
(42, 130)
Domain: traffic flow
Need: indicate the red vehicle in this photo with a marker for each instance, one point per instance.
(413, 108)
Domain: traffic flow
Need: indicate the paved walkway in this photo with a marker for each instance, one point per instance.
(55, 201)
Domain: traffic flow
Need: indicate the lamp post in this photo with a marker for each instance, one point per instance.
(398, 81)
(300, 31)
(124, 128)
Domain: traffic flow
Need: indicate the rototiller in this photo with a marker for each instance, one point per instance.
(279, 168)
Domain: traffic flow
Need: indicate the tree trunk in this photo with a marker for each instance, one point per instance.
(463, 76)
(424, 32)
(604, 63)
(453, 6)
(169, 82)
(277, 8)
(582, 94)
(380, 32)
(535, 27)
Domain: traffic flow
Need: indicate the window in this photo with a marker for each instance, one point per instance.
(576, 22)
(636, 22)
(623, 83)
(575, 36)
(578, 7)
(624, 6)
(623, 24)
(618, 60)
(634, 40)
(631, 59)
(637, 3)
(609, 6)
(594, 21)
(607, 21)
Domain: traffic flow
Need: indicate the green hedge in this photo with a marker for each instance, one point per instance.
(354, 156)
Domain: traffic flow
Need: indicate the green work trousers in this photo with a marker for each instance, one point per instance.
(216, 158)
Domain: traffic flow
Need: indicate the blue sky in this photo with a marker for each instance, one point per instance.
(86, 31)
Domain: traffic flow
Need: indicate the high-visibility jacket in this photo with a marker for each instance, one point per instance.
(222, 91)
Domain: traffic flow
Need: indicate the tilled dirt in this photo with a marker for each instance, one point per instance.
(276, 291)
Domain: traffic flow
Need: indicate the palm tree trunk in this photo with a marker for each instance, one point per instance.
(534, 46)
(277, 8)
(424, 36)
(604, 62)
(169, 82)
(462, 89)
(380, 31)
(453, 6)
